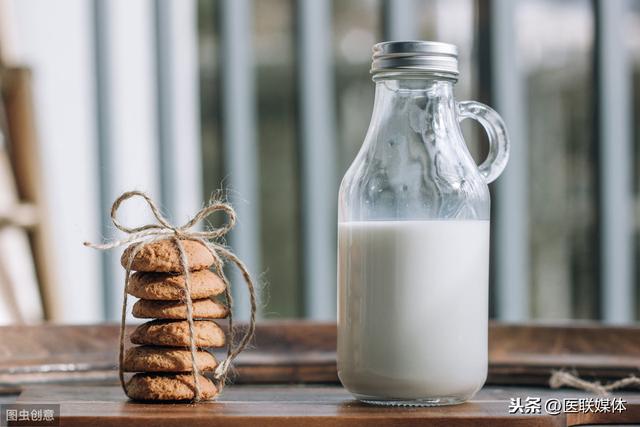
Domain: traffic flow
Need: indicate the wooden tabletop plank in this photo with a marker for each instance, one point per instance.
(276, 405)
(243, 405)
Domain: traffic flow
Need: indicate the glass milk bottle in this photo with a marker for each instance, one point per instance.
(413, 237)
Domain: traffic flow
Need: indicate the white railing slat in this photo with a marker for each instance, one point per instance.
(616, 157)
(511, 207)
(239, 138)
(318, 158)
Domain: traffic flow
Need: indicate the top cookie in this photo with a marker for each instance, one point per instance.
(162, 256)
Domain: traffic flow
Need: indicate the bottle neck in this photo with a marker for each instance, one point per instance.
(414, 102)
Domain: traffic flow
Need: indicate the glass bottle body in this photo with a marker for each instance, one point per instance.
(413, 248)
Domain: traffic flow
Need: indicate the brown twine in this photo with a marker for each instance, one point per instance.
(140, 236)
(562, 378)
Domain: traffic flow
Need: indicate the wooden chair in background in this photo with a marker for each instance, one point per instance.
(26, 270)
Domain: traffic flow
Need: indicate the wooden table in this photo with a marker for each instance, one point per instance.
(304, 405)
(289, 378)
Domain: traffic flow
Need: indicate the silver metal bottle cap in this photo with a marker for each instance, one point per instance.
(418, 56)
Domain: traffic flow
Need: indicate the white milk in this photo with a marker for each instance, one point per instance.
(413, 308)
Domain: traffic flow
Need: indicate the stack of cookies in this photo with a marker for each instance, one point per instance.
(162, 360)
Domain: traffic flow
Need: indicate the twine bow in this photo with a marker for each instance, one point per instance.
(139, 236)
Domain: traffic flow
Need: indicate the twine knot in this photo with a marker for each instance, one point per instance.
(162, 230)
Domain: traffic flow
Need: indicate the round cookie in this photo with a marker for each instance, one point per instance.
(169, 387)
(162, 256)
(175, 333)
(165, 359)
(177, 310)
(167, 286)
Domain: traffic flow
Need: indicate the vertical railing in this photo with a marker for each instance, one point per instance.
(511, 210)
(616, 155)
(176, 37)
(239, 137)
(318, 157)
(103, 136)
(126, 116)
(399, 20)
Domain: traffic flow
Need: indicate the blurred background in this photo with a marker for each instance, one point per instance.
(270, 100)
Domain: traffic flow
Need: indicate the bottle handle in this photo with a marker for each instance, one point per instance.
(496, 130)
